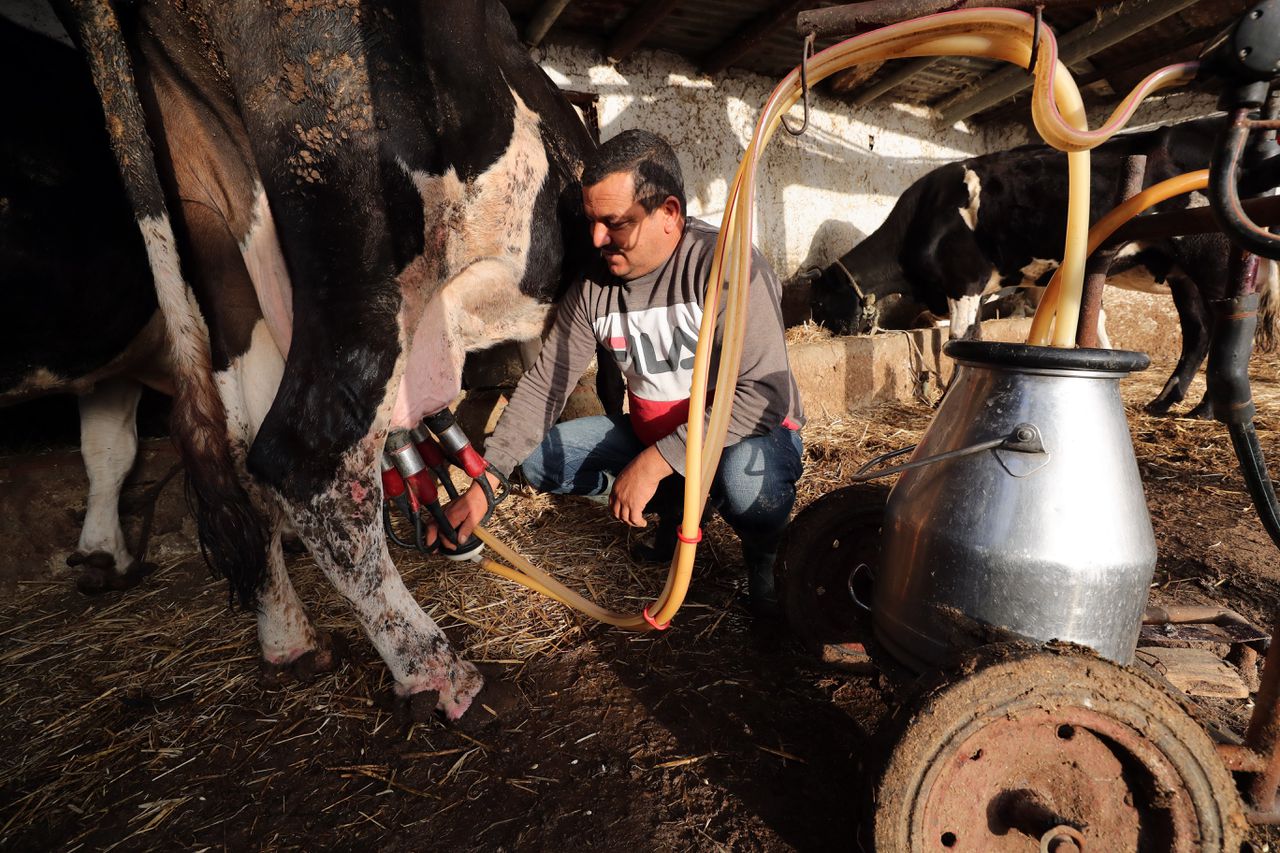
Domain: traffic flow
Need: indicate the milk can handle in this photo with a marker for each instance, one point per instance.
(1024, 438)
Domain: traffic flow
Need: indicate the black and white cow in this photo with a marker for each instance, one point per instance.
(79, 310)
(967, 229)
(349, 196)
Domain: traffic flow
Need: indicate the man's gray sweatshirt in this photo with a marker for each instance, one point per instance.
(650, 327)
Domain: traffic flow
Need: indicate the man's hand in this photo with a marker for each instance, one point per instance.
(464, 513)
(636, 485)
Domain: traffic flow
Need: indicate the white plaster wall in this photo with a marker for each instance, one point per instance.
(818, 195)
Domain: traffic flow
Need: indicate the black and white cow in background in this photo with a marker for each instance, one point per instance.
(967, 229)
(79, 306)
(348, 197)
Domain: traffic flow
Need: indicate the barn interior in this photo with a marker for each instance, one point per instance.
(139, 719)
(875, 128)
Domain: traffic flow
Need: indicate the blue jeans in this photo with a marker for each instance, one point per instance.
(753, 490)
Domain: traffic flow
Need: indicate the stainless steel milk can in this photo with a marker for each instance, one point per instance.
(1021, 513)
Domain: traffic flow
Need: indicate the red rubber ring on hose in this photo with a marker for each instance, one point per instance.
(680, 535)
(664, 626)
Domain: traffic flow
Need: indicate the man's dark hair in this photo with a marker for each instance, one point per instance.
(648, 158)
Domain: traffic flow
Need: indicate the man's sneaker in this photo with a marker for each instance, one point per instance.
(603, 497)
(645, 553)
(661, 549)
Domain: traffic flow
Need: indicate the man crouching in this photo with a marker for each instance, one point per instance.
(646, 311)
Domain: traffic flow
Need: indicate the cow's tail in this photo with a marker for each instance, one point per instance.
(233, 534)
(1268, 334)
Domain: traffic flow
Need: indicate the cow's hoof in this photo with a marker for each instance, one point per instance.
(1202, 412)
(497, 701)
(1158, 408)
(420, 707)
(327, 656)
(99, 574)
(93, 559)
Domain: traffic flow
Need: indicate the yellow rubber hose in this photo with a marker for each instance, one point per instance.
(1105, 227)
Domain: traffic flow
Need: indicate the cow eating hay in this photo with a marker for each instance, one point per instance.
(967, 229)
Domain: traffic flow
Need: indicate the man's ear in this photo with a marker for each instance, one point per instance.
(671, 207)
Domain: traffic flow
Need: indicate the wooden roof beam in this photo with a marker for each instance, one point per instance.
(904, 72)
(543, 20)
(1168, 48)
(1081, 43)
(751, 34)
(839, 21)
(637, 27)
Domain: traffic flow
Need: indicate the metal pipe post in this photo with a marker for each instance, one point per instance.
(1263, 734)
(1135, 169)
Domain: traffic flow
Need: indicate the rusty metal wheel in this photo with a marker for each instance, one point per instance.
(1053, 749)
(832, 542)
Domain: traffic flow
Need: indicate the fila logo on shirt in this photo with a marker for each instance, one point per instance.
(654, 346)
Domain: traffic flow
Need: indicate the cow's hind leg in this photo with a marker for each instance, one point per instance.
(291, 647)
(343, 530)
(109, 445)
(1194, 320)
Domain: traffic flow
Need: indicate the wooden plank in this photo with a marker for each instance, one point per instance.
(849, 80)
(1124, 76)
(1194, 220)
(1196, 672)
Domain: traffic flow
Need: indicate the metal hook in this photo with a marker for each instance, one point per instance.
(858, 571)
(805, 55)
(1035, 39)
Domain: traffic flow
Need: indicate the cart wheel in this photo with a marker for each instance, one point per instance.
(832, 541)
(1054, 750)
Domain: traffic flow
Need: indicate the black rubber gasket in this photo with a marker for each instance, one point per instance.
(1052, 358)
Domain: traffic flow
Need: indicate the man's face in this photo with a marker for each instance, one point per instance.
(631, 241)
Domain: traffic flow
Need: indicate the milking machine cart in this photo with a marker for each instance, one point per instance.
(1005, 574)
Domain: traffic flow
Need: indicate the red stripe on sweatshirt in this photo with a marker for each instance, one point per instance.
(656, 419)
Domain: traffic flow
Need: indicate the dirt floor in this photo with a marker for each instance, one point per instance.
(138, 721)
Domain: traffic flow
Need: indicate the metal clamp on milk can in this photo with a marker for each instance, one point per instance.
(1021, 512)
